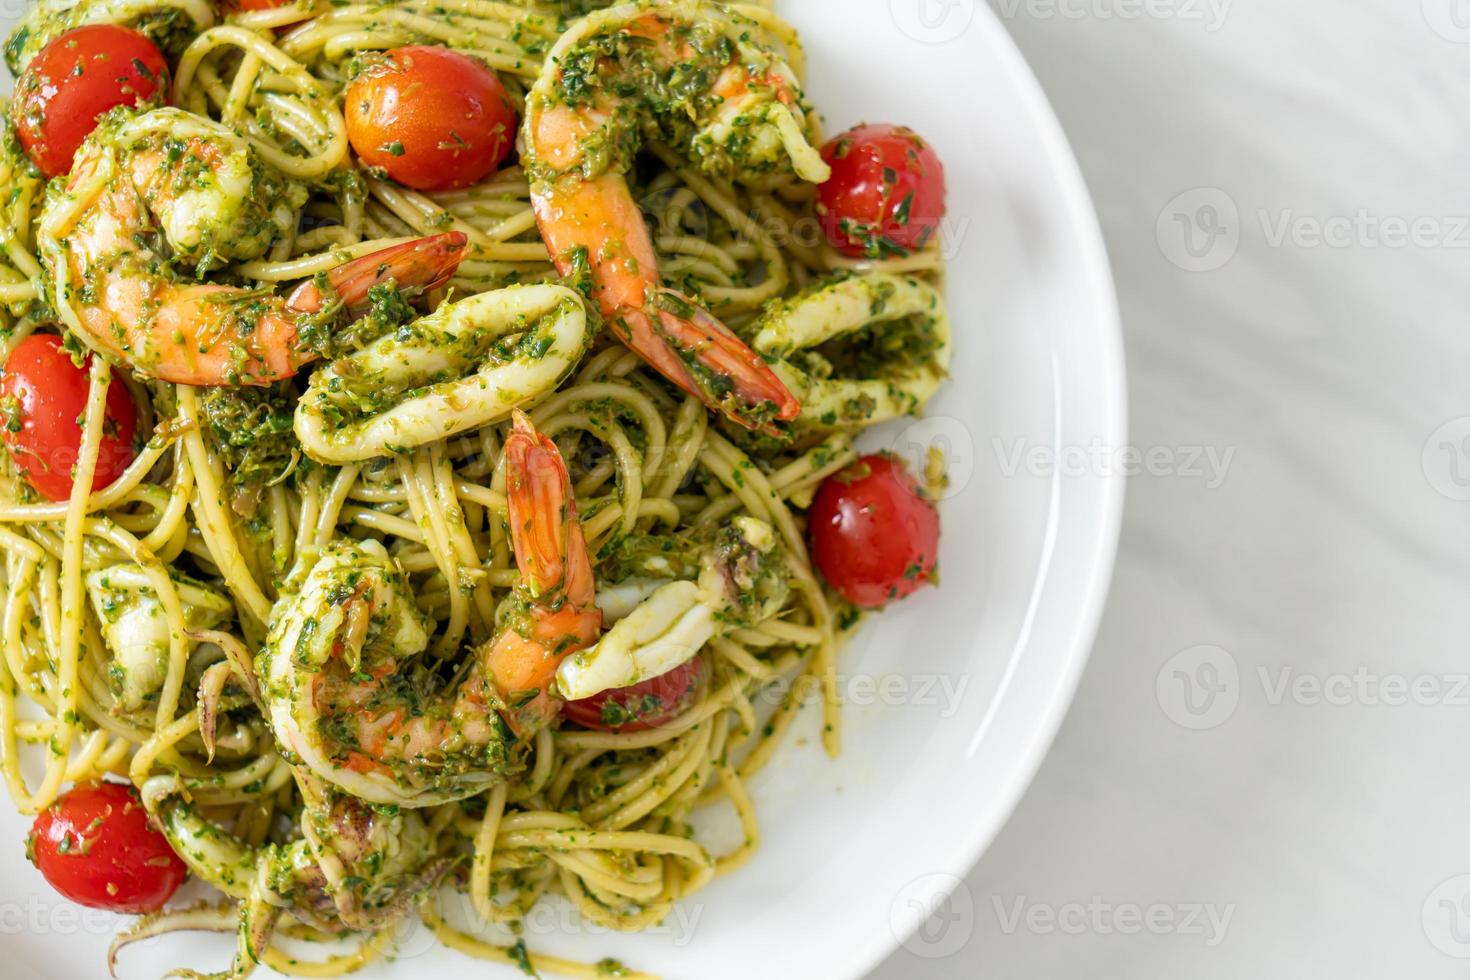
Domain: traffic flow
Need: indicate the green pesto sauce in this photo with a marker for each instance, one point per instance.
(250, 429)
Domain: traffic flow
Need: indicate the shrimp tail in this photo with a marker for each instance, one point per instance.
(544, 530)
(555, 610)
(423, 264)
(700, 354)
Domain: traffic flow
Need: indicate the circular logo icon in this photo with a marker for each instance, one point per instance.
(1446, 459)
(1450, 19)
(1199, 231)
(675, 211)
(933, 916)
(933, 21)
(937, 435)
(1446, 917)
(1199, 688)
(407, 938)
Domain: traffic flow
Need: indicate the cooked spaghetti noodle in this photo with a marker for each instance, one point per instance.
(223, 514)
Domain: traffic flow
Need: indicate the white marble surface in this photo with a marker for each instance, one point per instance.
(1317, 584)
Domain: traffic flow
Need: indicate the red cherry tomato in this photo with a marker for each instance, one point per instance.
(76, 78)
(304, 11)
(43, 394)
(431, 118)
(886, 193)
(645, 705)
(874, 533)
(94, 845)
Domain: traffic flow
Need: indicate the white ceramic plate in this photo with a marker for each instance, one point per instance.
(957, 692)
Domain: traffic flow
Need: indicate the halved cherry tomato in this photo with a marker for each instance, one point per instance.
(431, 118)
(43, 395)
(874, 533)
(647, 704)
(94, 845)
(76, 78)
(886, 193)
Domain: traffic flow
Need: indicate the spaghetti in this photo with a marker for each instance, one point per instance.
(235, 495)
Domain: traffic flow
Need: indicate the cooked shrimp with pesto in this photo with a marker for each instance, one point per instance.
(431, 455)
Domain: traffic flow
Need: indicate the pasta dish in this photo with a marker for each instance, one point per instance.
(430, 454)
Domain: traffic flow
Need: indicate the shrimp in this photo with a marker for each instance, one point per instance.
(694, 76)
(156, 200)
(741, 584)
(348, 695)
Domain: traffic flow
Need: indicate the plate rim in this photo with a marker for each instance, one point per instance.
(1104, 511)
(1082, 215)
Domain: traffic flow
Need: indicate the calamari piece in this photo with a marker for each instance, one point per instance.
(354, 868)
(462, 367)
(741, 584)
(908, 364)
(136, 629)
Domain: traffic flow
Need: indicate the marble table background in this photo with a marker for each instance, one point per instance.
(1266, 772)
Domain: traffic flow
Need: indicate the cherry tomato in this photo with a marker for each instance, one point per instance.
(76, 78)
(94, 845)
(430, 118)
(43, 394)
(886, 193)
(303, 11)
(645, 705)
(874, 533)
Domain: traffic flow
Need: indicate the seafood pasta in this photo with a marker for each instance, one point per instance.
(430, 462)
